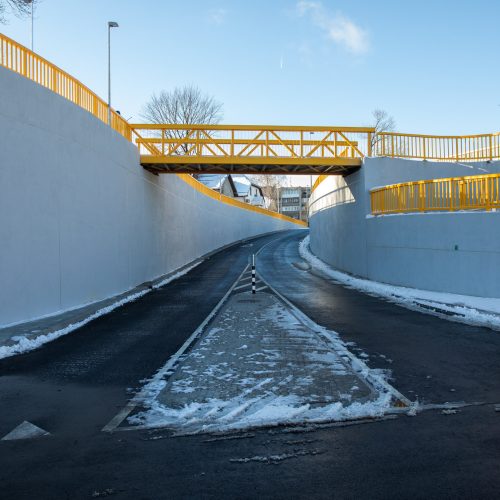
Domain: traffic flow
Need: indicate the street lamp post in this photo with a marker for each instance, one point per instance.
(32, 24)
(111, 24)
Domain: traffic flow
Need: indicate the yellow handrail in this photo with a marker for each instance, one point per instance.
(279, 143)
(234, 202)
(455, 148)
(477, 192)
(318, 181)
(20, 59)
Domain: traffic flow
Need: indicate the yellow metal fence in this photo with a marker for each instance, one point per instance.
(437, 147)
(478, 192)
(20, 59)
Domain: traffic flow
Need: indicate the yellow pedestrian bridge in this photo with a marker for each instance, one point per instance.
(194, 148)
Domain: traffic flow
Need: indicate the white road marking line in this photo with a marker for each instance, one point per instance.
(140, 396)
(25, 430)
(241, 286)
(358, 365)
(261, 288)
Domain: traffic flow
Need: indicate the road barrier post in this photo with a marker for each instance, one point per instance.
(253, 273)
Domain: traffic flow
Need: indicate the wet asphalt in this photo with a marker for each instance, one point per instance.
(73, 386)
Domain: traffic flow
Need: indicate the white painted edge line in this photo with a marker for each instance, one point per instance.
(145, 391)
(359, 366)
(246, 285)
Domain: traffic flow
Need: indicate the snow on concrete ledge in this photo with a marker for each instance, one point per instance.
(20, 344)
(479, 311)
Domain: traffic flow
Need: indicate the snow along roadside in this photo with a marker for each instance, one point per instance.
(24, 343)
(467, 309)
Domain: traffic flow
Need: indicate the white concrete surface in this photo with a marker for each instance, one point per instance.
(446, 252)
(80, 220)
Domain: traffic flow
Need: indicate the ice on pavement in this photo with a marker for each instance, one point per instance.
(483, 311)
(257, 365)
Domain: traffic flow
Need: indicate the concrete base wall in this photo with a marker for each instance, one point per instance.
(448, 252)
(80, 220)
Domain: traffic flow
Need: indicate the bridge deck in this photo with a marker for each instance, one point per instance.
(248, 165)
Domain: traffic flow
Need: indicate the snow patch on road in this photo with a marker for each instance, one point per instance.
(294, 374)
(270, 411)
(480, 311)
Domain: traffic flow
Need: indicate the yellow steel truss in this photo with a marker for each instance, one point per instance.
(251, 148)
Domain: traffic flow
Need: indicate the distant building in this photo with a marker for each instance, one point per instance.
(294, 202)
(248, 191)
(222, 183)
(235, 186)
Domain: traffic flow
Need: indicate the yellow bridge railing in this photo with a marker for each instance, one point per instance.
(252, 144)
(478, 192)
(248, 144)
(438, 147)
(20, 59)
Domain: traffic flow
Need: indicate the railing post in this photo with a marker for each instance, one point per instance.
(163, 142)
(369, 145)
(54, 79)
(491, 147)
(25, 64)
(232, 142)
(450, 194)
(421, 196)
(487, 193)
(301, 144)
(456, 148)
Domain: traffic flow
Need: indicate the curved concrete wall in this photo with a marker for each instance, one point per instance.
(80, 220)
(455, 252)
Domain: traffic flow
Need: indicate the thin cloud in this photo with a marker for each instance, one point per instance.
(338, 28)
(217, 16)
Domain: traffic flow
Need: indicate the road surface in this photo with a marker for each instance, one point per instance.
(73, 386)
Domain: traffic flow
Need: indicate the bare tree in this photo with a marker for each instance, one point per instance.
(270, 185)
(183, 105)
(20, 8)
(383, 122)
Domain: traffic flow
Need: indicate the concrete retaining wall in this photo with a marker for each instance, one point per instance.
(448, 252)
(80, 220)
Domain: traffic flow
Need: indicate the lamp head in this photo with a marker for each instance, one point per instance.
(112, 24)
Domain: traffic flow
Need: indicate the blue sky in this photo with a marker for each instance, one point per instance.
(433, 65)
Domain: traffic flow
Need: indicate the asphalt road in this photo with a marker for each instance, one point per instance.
(73, 386)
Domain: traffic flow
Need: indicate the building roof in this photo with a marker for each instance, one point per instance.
(242, 184)
(213, 181)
